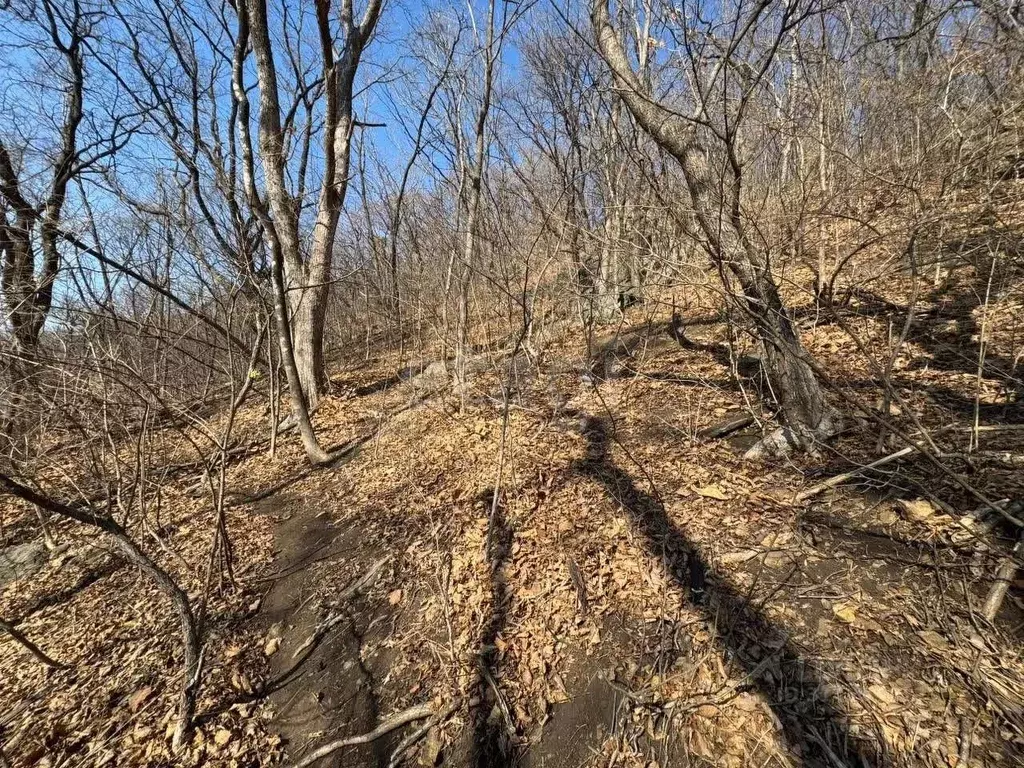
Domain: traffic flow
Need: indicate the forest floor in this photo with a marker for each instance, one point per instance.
(634, 596)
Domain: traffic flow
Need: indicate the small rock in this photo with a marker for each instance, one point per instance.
(21, 561)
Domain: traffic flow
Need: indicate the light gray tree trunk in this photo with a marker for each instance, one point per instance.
(307, 280)
(805, 413)
(476, 175)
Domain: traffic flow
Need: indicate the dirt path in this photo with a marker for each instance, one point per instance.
(324, 690)
(635, 597)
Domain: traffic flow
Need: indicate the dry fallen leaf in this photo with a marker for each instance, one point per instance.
(739, 556)
(934, 640)
(845, 612)
(746, 702)
(271, 646)
(712, 491)
(222, 737)
(867, 624)
(881, 693)
(139, 697)
(917, 510)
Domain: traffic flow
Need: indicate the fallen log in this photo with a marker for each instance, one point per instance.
(832, 482)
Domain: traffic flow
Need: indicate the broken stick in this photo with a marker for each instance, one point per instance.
(724, 428)
(1004, 576)
(832, 482)
(31, 647)
(357, 589)
(419, 733)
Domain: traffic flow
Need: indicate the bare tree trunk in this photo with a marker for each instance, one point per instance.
(308, 281)
(307, 324)
(300, 408)
(606, 299)
(476, 174)
(806, 415)
(395, 223)
(28, 292)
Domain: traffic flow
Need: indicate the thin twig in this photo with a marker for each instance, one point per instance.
(30, 646)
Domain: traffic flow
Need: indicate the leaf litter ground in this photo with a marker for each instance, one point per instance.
(634, 596)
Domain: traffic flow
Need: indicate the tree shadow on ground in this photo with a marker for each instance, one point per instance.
(948, 332)
(340, 454)
(493, 729)
(816, 728)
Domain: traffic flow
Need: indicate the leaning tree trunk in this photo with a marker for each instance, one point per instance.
(804, 412)
(806, 415)
(120, 539)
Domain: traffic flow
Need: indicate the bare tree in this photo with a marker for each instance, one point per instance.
(806, 414)
(29, 230)
(307, 278)
(475, 175)
(164, 582)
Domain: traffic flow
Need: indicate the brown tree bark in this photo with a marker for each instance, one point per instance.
(805, 413)
(191, 642)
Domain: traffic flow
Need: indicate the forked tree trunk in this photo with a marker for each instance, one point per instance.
(806, 415)
(307, 279)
